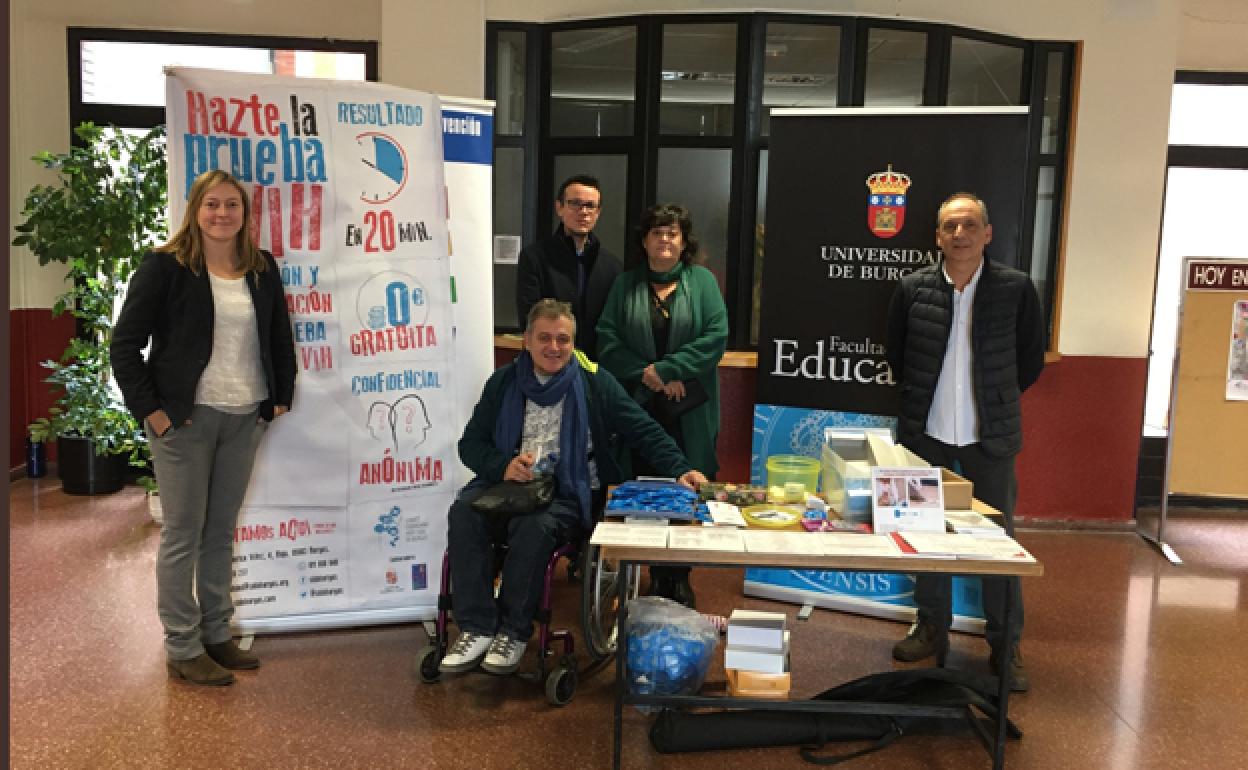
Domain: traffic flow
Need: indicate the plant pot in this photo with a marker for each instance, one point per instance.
(83, 472)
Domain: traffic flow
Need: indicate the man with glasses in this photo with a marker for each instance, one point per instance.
(552, 410)
(571, 265)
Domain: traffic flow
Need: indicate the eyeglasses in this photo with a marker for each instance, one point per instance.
(580, 205)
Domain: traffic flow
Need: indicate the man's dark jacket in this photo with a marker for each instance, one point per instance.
(1007, 349)
(173, 306)
(615, 420)
(548, 269)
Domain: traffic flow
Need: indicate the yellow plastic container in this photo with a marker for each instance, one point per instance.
(772, 516)
(788, 471)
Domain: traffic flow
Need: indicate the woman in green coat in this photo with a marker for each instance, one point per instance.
(662, 334)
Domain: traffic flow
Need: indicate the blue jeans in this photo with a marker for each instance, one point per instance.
(995, 484)
(530, 539)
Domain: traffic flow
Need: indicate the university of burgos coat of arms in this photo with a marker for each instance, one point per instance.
(886, 205)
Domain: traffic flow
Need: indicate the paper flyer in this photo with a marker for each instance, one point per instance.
(1237, 359)
(907, 499)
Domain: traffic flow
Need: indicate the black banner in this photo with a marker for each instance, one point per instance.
(852, 197)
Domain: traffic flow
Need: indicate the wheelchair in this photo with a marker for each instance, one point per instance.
(603, 589)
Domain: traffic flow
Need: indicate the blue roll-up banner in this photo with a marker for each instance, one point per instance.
(835, 250)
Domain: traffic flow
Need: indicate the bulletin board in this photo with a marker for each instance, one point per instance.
(1209, 420)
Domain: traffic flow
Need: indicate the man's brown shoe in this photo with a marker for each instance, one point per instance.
(230, 656)
(199, 670)
(923, 641)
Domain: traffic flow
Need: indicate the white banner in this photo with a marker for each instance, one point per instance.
(346, 512)
(468, 142)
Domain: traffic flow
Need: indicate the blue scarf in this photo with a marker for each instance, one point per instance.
(572, 470)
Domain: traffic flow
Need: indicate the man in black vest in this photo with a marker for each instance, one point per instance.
(571, 265)
(965, 339)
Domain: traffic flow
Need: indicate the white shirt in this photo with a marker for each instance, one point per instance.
(233, 381)
(953, 418)
(542, 425)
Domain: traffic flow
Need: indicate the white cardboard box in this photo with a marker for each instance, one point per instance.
(755, 628)
(758, 659)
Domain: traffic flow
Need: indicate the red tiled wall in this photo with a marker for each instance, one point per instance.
(34, 337)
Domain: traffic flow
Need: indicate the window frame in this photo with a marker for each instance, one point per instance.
(747, 142)
(144, 116)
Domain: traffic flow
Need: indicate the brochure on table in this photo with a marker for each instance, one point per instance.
(907, 499)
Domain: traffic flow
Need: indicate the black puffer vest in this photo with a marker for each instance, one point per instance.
(1007, 348)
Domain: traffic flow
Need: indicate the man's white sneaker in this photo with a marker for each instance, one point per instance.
(465, 653)
(504, 655)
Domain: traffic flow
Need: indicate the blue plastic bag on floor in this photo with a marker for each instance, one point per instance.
(670, 648)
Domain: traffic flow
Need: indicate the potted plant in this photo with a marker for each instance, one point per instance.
(105, 210)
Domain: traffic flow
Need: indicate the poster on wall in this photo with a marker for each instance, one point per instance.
(350, 490)
(1237, 359)
(852, 196)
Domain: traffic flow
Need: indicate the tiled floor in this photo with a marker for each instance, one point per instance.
(1135, 664)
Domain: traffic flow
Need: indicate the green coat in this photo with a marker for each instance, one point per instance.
(698, 358)
(615, 420)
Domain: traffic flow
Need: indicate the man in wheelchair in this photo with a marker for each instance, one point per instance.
(551, 410)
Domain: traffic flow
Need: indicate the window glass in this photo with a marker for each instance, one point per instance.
(1209, 115)
(612, 174)
(508, 223)
(982, 73)
(800, 67)
(698, 79)
(700, 180)
(509, 75)
(1042, 236)
(895, 61)
(118, 72)
(593, 76)
(508, 190)
(1051, 121)
(1193, 222)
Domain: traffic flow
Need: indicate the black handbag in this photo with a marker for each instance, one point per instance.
(668, 411)
(516, 498)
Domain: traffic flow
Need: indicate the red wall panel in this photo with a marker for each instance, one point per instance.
(1082, 423)
(34, 337)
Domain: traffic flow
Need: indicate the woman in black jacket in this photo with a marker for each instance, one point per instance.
(220, 368)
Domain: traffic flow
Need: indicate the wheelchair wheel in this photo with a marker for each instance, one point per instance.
(561, 684)
(427, 661)
(602, 590)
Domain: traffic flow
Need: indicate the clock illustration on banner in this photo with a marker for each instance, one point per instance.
(386, 167)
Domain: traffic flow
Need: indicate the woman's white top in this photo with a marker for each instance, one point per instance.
(233, 381)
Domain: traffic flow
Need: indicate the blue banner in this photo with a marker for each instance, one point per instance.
(467, 137)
